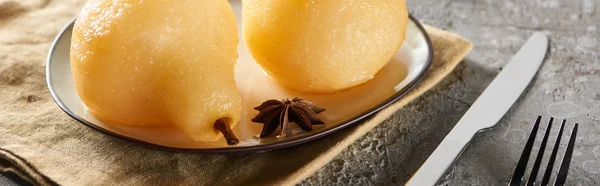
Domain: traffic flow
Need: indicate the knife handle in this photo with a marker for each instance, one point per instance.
(444, 155)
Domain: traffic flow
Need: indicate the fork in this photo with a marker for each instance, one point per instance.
(564, 166)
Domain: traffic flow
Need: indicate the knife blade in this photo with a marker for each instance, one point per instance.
(487, 110)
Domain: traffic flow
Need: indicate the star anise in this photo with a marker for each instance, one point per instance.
(274, 113)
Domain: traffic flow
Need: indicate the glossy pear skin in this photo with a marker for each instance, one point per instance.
(323, 46)
(155, 62)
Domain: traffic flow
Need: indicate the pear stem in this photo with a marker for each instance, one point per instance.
(223, 125)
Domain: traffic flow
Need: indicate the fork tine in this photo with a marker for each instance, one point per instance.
(522, 165)
(548, 173)
(540, 155)
(564, 166)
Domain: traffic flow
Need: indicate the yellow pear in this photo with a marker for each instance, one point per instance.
(323, 46)
(148, 63)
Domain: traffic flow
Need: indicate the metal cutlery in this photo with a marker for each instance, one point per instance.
(487, 110)
(564, 166)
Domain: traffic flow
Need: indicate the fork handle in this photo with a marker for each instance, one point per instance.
(444, 155)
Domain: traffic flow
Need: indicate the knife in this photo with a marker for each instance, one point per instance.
(487, 110)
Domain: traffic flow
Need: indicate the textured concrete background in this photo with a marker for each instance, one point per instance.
(566, 87)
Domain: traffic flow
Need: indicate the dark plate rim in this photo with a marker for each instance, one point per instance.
(247, 149)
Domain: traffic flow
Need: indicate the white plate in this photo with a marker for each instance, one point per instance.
(343, 108)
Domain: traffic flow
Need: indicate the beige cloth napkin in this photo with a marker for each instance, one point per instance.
(42, 144)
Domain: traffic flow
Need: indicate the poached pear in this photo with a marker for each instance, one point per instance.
(149, 63)
(323, 46)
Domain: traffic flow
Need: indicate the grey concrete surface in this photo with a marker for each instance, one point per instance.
(566, 87)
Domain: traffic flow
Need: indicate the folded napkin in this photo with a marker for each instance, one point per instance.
(43, 145)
